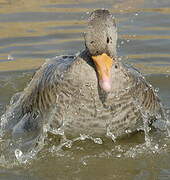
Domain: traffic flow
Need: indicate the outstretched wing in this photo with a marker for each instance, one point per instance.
(37, 96)
(41, 91)
(145, 96)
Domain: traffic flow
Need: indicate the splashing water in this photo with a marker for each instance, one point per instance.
(161, 118)
(109, 133)
(24, 157)
(146, 129)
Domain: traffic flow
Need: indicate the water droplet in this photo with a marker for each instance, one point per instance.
(98, 141)
(10, 57)
(83, 137)
(158, 116)
(168, 111)
(18, 154)
(113, 137)
(156, 146)
(165, 145)
(84, 163)
(118, 155)
(156, 90)
(128, 131)
(68, 143)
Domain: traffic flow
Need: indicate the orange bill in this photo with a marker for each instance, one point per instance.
(103, 65)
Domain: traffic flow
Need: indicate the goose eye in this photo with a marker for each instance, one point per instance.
(107, 40)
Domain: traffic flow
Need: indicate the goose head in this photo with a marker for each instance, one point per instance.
(100, 40)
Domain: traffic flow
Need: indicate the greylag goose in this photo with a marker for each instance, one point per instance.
(92, 93)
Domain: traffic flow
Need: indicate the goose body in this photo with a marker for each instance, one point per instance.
(67, 92)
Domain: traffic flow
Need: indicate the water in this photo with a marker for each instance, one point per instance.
(32, 31)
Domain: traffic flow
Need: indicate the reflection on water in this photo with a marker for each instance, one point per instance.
(31, 31)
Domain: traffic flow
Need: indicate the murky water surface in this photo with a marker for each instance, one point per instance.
(31, 31)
